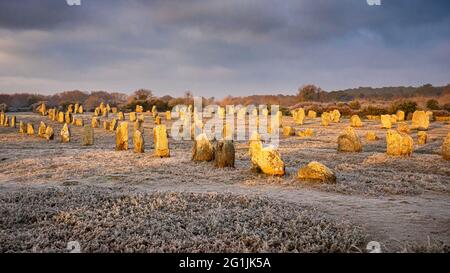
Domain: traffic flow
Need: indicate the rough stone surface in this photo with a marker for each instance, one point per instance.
(371, 136)
(446, 148)
(325, 119)
(161, 141)
(335, 116)
(288, 131)
(309, 132)
(317, 172)
(386, 122)
(420, 120)
(133, 116)
(30, 129)
(399, 144)
(224, 154)
(41, 129)
(349, 141)
(403, 127)
(266, 160)
(95, 122)
(22, 127)
(49, 133)
(138, 142)
(65, 133)
(202, 150)
(88, 136)
(400, 115)
(422, 137)
(355, 121)
(122, 136)
(312, 114)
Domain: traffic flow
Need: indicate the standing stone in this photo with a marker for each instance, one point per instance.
(371, 136)
(68, 117)
(6, 122)
(161, 141)
(88, 136)
(114, 110)
(49, 134)
(403, 127)
(224, 154)
(399, 144)
(139, 109)
(349, 141)
(202, 150)
(138, 125)
(22, 127)
(30, 129)
(266, 160)
(316, 171)
(122, 136)
(61, 117)
(138, 142)
(65, 133)
(97, 111)
(420, 120)
(306, 133)
(355, 121)
(133, 116)
(312, 114)
(76, 108)
(13, 122)
(326, 118)
(422, 137)
(79, 122)
(158, 120)
(400, 115)
(386, 122)
(70, 108)
(299, 116)
(113, 125)
(41, 129)
(121, 116)
(80, 109)
(446, 147)
(288, 131)
(335, 116)
(106, 125)
(168, 115)
(2, 118)
(95, 122)
(140, 117)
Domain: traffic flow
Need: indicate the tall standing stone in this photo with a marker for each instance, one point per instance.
(13, 122)
(133, 116)
(161, 141)
(355, 121)
(386, 122)
(326, 118)
(22, 127)
(49, 134)
(61, 117)
(65, 133)
(122, 136)
(422, 137)
(420, 120)
(30, 129)
(88, 136)
(335, 116)
(224, 154)
(121, 116)
(168, 115)
(41, 129)
(138, 142)
(95, 122)
(138, 125)
(113, 125)
(400, 115)
(446, 148)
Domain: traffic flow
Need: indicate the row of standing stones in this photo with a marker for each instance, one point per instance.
(264, 159)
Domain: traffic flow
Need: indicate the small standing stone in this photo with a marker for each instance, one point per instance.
(349, 141)
(202, 150)
(41, 129)
(161, 141)
(88, 136)
(22, 127)
(399, 144)
(49, 135)
(446, 148)
(422, 137)
(138, 142)
(316, 171)
(65, 133)
(30, 129)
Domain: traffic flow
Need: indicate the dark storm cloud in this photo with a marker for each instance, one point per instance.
(236, 45)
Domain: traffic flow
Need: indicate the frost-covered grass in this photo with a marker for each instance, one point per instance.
(112, 220)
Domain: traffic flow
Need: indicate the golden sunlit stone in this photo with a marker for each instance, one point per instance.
(161, 141)
(371, 136)
(121, 116)
(122, 136)
(65, 133)
(202, 150)
(306, 133)
(326, 119)
(335, 116)
(349, 141)
(355, 121)
(22, 127)
(41, 129)
(446, 148)
(317, 172)
(288, 131)
(49, 134)
(138, 142)
(133, 116)
(88, 136)
(420, 120)
(168, 115)
(224, 154)
(399, 144)
(312, 114)
(422, 137)
(30, 129)
(95, 122)
(403, 127)
(400, 115)
(386, 122)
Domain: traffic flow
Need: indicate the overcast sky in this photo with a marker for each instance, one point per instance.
(221, 47)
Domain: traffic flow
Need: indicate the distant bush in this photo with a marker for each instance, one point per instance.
(406, 106)
(374, 111)
(433, 104)
(355, 105)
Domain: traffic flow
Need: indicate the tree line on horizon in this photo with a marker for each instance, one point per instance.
(305, 94)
